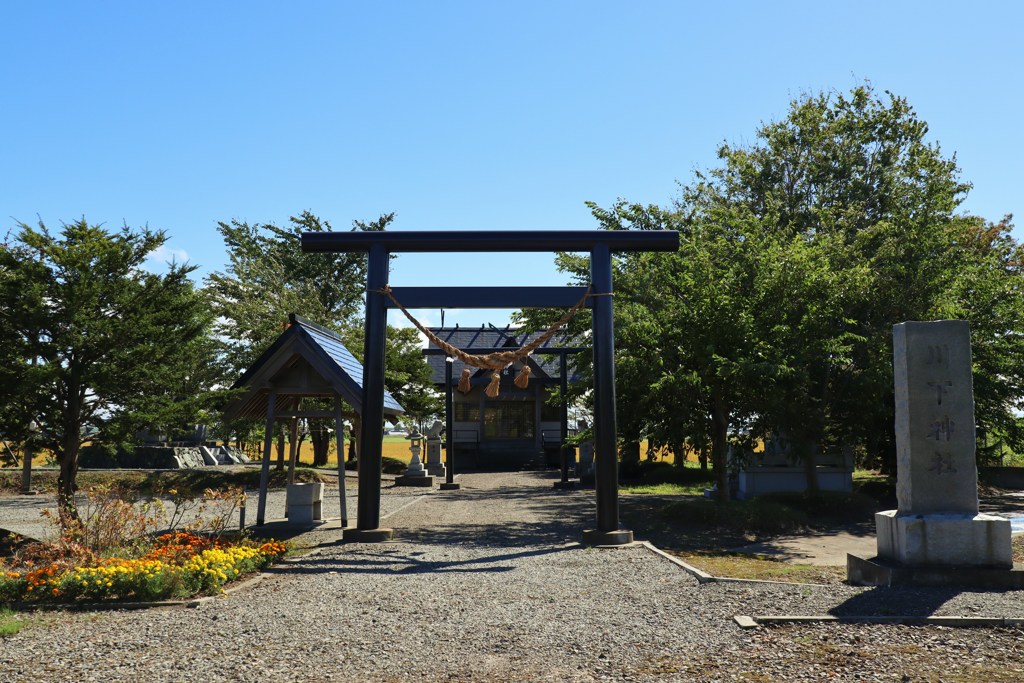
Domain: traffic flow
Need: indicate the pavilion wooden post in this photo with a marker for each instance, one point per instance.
(339, 435)
(268, 443)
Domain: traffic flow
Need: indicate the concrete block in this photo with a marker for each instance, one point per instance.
(209, 458)
(304, 503)
(950, 539)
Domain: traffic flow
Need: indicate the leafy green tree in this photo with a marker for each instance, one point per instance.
(798, 254)
(987, 290)
(269, 276)
(102, 348)
(861, 210)
(698, 306)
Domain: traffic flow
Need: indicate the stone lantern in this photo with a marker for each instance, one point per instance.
(415, 474)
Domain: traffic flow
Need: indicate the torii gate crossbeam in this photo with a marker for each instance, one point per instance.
(600, 243)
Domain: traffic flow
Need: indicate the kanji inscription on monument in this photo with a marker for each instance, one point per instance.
(935, 439)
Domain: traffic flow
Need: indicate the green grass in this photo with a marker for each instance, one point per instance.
(10, 624)
(761, 568)
(664, 489)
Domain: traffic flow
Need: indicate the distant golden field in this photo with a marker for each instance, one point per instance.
(394, 447)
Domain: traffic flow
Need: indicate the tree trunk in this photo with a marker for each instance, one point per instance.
(720, 447)
(702, 457)
(321, 440)
(280, 450)
(66, 485)
(887, 464)
(352, 445)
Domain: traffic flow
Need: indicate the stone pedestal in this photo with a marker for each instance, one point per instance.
(304, 503)
(956, 539)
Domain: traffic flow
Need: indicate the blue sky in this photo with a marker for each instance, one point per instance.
(459, 115)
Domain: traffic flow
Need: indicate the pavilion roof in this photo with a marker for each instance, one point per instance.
(307, 360)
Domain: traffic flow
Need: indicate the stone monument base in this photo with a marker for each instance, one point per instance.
(437, 470)
(951, 539)
(879, 572)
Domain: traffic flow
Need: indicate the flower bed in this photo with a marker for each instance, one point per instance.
(177, 565)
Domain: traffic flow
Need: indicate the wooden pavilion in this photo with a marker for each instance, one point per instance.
(306, 361)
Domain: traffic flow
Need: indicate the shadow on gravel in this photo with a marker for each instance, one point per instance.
(896, 601)
(546, 518)
(387, 560)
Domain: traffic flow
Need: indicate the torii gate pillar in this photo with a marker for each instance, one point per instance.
(600, 244)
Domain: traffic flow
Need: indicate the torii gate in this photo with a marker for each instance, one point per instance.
(379, 247)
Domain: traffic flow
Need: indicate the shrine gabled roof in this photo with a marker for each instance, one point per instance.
(306, 360)
(469, 338)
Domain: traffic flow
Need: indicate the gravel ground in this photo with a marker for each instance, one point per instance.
(488, 584)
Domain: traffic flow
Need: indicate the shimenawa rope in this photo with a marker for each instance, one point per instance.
(491, 361)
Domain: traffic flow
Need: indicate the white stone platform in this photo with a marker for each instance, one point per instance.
(953, 539)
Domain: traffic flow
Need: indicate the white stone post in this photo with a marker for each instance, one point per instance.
(937, 521)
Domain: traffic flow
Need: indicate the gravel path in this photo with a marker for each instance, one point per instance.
(488, 584)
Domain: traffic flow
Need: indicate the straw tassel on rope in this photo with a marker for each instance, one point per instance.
(464, 384)
(523, 378)
(495, 386)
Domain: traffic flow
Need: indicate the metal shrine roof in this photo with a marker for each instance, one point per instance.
(307, 360)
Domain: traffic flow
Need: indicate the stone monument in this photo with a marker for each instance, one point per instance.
(936, 532)
(585, 466)
(435, 466)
